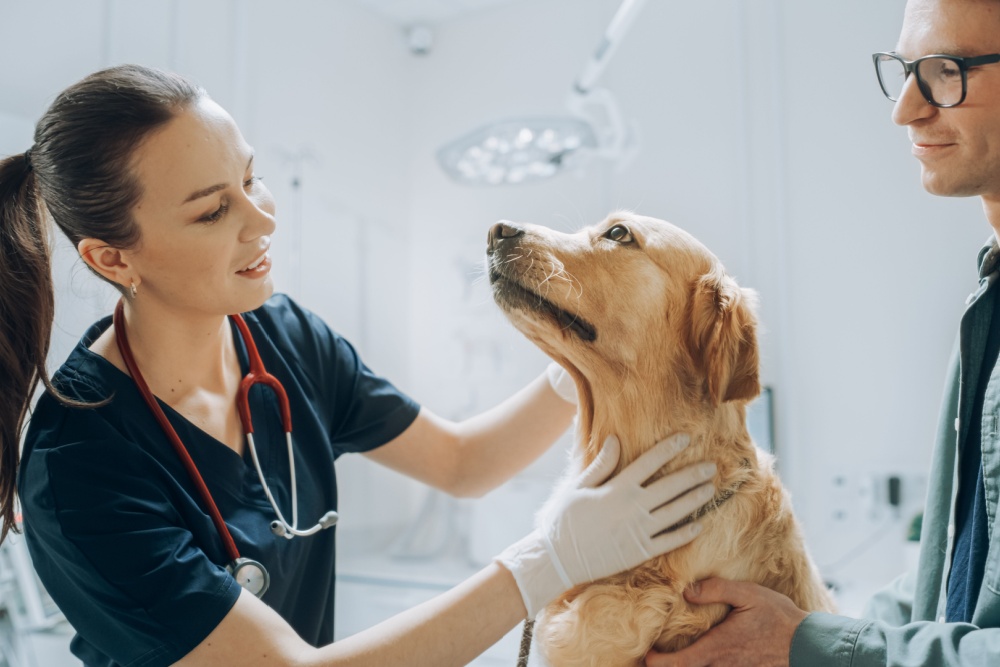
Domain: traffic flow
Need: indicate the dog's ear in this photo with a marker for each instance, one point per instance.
(723, 339)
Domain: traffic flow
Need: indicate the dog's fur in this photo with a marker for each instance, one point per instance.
(660, 340)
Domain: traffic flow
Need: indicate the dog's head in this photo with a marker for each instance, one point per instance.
(632, 300)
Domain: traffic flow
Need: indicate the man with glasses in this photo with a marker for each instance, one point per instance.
(944, 78)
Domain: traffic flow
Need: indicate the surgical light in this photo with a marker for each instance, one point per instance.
(523, 150)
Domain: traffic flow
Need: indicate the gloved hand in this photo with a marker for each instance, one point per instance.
(597, 526)
(562, 382)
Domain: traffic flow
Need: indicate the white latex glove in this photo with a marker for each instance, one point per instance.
(562, 382)
(597, 527)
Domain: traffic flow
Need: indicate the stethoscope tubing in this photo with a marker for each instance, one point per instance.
(292, 529)
(121, 338)
(256, 375)
(259, 375)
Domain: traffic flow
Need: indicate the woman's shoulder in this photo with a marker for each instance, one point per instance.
(282, 314)
(86, 445)
(87, 420)
(93, 412)
(296, 330)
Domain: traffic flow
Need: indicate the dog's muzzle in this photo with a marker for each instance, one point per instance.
(502, 251)
(499, 232)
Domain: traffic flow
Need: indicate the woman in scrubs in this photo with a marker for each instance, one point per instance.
(156, 188)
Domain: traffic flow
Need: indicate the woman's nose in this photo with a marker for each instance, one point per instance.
(260, 216)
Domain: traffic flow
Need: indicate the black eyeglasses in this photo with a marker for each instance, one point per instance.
(941, 78)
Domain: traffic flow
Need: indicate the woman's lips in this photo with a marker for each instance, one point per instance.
(259, 270)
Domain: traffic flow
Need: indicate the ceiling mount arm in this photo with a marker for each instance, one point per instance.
(613, 35)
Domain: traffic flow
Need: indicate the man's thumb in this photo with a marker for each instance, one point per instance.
(709, 591)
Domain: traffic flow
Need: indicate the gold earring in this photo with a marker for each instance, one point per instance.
(134, 290)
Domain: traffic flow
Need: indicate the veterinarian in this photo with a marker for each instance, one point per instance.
(147, 518)
(948, 612)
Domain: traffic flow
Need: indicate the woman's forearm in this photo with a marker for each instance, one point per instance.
(474, 456)
(499, 443)
(450, 629)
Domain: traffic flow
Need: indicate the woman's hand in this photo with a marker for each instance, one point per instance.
(562, 383)
(599, 526)
(757, 633)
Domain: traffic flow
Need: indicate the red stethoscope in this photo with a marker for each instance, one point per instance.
(250, 574)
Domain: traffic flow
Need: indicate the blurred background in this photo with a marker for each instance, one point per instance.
(757, 126)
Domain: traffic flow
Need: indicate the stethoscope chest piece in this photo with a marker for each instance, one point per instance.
(250, 574)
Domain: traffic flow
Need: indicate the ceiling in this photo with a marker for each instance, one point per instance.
(409, 12)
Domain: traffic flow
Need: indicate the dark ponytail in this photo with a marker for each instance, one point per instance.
(79, 174)
(26, 309)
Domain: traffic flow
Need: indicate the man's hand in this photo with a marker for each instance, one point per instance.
(757, 633)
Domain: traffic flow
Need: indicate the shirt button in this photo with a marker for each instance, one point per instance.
(956, 424)
(951, 530)
(941, 619)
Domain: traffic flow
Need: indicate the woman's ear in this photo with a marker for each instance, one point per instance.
(108, 262)
(724, 339)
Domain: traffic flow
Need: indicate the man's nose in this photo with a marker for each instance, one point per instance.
(911, 105)
(502, 230)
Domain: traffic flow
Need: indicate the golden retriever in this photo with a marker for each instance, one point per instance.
(659, 340)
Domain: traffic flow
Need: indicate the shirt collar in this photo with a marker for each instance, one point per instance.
(989, 257)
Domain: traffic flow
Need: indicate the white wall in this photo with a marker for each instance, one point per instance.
(762, 131)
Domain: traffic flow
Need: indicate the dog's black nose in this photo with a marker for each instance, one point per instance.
(502, 230)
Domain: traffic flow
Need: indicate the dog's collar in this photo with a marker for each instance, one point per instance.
(713, 504)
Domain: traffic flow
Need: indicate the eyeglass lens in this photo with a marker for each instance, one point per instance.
(941, 78)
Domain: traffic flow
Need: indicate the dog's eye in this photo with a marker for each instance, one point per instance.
(619, 234)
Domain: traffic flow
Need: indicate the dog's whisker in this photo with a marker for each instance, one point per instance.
(553, 272)
(567, 225)
(510, 259)
(572, 280)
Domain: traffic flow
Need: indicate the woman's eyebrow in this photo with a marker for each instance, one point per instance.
(214, 188)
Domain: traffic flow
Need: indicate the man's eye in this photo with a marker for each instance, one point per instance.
(949, 70)
(619, 234)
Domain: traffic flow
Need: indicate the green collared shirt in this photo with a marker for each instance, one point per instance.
(904, 623)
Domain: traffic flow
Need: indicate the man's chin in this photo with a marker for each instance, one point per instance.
(935, 184)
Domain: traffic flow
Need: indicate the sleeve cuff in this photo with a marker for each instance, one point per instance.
(537, 578)
(825, 640)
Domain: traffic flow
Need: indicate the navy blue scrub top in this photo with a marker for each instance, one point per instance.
(116, 529)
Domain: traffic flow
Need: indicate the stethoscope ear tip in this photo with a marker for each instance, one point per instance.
(329, 519)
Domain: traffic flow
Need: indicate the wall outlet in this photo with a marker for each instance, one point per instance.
(857, 497)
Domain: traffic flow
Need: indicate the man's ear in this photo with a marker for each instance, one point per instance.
(107, 261)
(723, 340)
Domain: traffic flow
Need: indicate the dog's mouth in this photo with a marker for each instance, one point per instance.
(509, 294)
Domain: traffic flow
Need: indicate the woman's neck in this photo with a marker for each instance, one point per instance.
(179, 353)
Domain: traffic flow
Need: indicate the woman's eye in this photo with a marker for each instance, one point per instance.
(250, 182)
(619, 234)
(216, 215)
